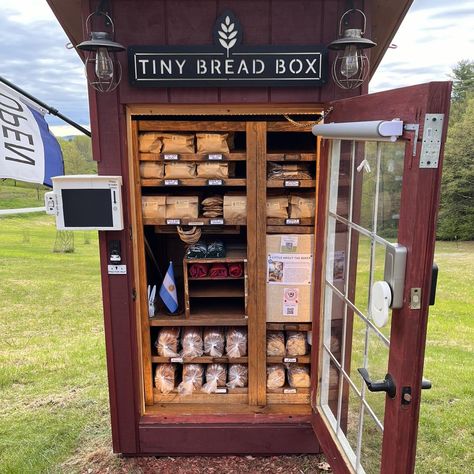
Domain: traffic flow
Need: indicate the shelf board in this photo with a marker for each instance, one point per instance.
(289, 326)
(222, 182)
(289, 156)
(280, 183)
(232, 256)
(232, 156)
(287, 387)
(300, 221)
(211, 317)
(290, 229)
(196, 221)
(306, 359)
(217, 279)
(233, 395)
(202, 360)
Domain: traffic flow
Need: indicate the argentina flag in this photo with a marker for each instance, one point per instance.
(28, 150)
(168, 290)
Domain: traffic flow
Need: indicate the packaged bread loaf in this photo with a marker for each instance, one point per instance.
(276, 343)
(213, 170)
(301, 207)
(191, 342)
(277, 206)
(237, 376)
(154, 207)
(165, 377)
(180, 170)
(152, 169)
(288, 171)
(212, 143)
(149, 142)
(192, 379)
(177, 143)
(214, 342)
(182, 207)
(168, 342)
(275, 375)
(235, 206)
(296, 344)
(216, 376)
(236, 342)
(298, 376)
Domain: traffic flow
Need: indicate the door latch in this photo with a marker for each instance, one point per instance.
(406, 391)
(415, 298)
(386, 385)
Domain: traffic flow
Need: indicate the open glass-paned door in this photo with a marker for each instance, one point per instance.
(378, 218)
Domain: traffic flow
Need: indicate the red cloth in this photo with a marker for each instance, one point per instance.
(198, 270)
(236, 270)
(218, 270)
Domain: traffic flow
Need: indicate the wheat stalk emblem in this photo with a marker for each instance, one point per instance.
(228, 34)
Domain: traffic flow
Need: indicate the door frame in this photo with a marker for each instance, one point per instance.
(416, 232)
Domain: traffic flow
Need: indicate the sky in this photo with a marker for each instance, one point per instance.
(434, 36)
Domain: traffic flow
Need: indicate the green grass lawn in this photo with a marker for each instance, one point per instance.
(53, 387)
(21, 195)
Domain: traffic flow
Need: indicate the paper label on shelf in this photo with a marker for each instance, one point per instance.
(221, 390)
(289, 243)
(292, 221)
(290, 359)
(292, 183)
(171, 182)
(196, 223)
(289, 269)
(289, 390)
(214, 157)
(215, 182)
(173, 221)
(170, 157)
(216, 221)
(179, 360)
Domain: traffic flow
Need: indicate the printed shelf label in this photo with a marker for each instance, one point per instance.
(173, 221)
(290, 359)
(171, 157)
(216, 221)
(179, 360)
(221, 390)
(215, 157)
(289, 390)
(292, 221)
(291, 183)
(215, 182)
(171, 182)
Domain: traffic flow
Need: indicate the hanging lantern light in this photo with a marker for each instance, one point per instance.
(103, 70)
(351, 66)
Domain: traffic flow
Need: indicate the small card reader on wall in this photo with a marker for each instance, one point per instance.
(86, 202)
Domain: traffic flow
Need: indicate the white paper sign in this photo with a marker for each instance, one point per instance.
(289, 269)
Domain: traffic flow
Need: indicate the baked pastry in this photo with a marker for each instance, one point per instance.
(238, 376)
(214, 341)
(192, 379)
(236, 342)
(165, 376)
(275, 376)
(275, 343)
(191, 342)
(168, 342)
(216, 376)
(298, 376)
(296, 344)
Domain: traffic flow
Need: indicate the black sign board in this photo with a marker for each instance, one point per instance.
(227, 62)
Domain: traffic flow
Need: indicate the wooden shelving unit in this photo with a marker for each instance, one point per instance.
(214, 183)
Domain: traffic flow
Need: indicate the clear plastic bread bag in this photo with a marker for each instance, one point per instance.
(192, 379)
(237, 376)
(165, 376)
(296, 343)
(214, 342)
(216, 376)
(275, 376)
(191, 342)
(168, 342)
(276, 343)
(236, 342)
(298, 376)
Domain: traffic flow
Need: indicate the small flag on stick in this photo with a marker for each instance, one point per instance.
(168, 290)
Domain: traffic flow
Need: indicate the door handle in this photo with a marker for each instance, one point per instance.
(386, 385)
(434, 284)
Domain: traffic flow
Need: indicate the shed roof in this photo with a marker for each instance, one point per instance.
(385, 20)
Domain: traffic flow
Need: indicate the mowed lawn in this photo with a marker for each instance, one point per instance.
(53, 387)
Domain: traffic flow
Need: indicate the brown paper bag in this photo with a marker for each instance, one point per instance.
(152, 169)
(149, 142)
(212, 143)
(182, 207)
(213, 170)
(153, 207)
(277, 206)
(235, 207)
(301, 207)
(177, 143)
(180, 170)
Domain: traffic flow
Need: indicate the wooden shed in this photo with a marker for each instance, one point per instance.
(316, 249)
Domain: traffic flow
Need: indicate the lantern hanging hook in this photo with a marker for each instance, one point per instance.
(351, 11)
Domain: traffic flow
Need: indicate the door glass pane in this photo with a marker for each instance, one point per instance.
(364, 201)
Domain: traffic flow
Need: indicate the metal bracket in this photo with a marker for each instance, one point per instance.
(431, 145)
(415, 298)
(413, 127)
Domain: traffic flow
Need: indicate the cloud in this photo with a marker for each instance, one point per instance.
(34, 57)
